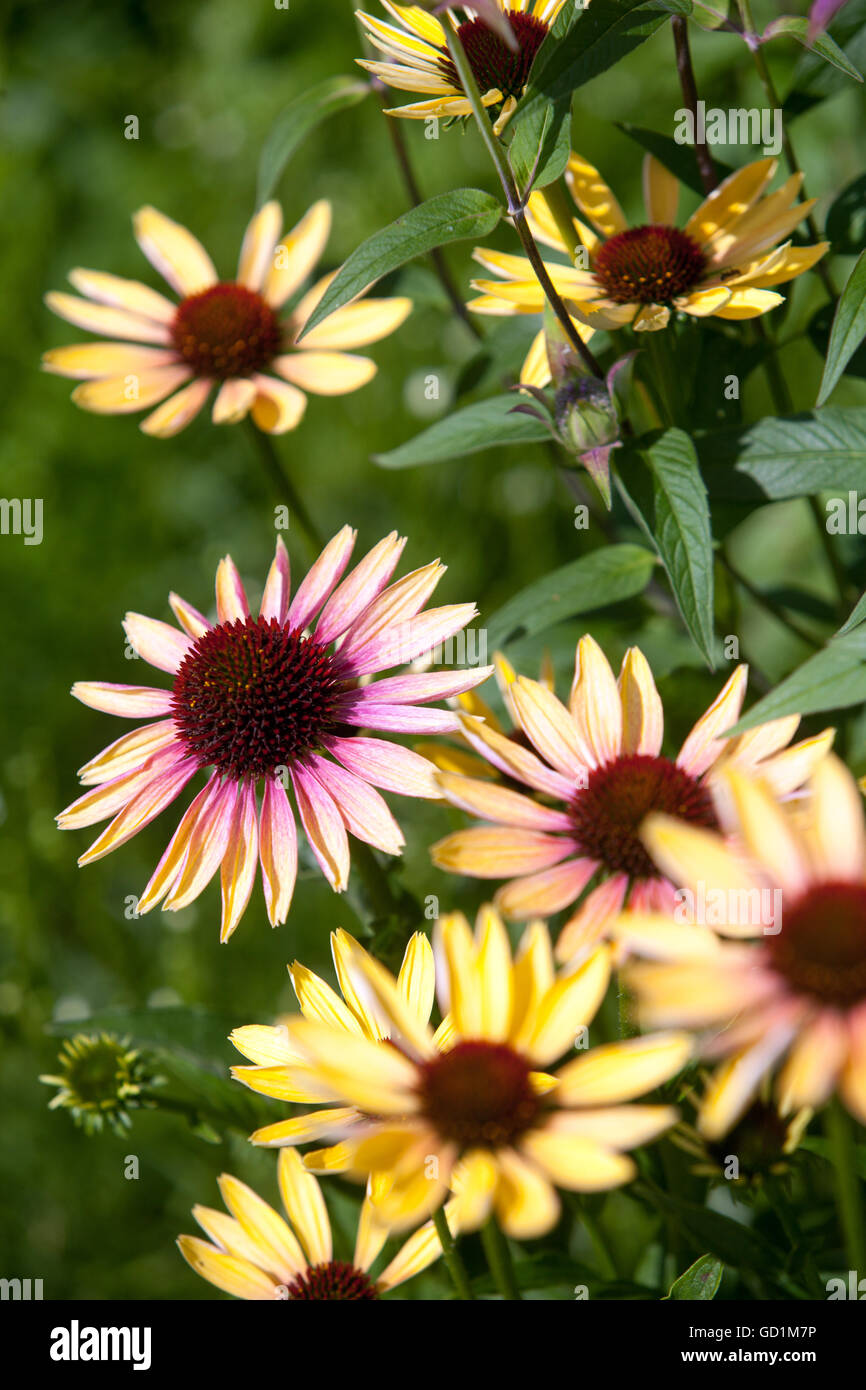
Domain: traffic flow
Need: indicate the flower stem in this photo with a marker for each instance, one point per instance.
(516, 205)
(763, 71)
(706, 167)
(849, 1197)
(415, 196)
(499, 1260)
(283, 486)
(769, 604)
(454, 1264)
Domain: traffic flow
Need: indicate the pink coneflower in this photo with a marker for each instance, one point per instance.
(272, 700)
(594, 770)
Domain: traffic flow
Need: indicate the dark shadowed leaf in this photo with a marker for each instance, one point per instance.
(848, 331)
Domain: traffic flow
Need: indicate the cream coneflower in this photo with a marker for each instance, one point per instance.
(418, 60)
(793, 1006)
(255, 1253)
(223, 334)
(724, 262)
(597, 770)
(280, 700)
(467, 1109)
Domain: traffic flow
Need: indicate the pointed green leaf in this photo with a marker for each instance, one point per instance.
(848, 331)
(608, 575)
(789, 456)
(700, 1281)
(465, 213)
(834, 678)
(681, 530)
(297, 120)
(484, 425)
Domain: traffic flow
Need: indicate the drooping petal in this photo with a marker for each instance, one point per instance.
(172, 250)
(323, 826)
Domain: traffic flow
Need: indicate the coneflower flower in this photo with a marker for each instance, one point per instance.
(597, 770)
(471, 1108)
(725, 262)
(255, 1253)
(223, 334)
(416, 49)
(274, 701)
(794, 1005)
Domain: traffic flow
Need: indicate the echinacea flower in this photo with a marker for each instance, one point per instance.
(759, 1147)
(418, 60)
(275, 700)
(257, 1254)
(724, 262)
(792, 1006)
(227, 334)
(467, 1109)
(600, 761)
(101, 1079)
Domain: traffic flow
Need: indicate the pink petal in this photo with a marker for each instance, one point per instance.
(386, 615)
(321, 578)
(208, 843)
(109, 797)
(174, 857)
(156, 642)
(386, 765)
(231, 601)
(323, 826)
(240, 861)
(364, 811)
(402, 642)
(359, 588)
(139, 812)
(275, 599)
(194, 624)
(430, 685)
(542, 894)
(128, 701)
(278, 851)
(399, 719)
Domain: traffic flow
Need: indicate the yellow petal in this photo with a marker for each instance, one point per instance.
(178, 256)
(621, 1071)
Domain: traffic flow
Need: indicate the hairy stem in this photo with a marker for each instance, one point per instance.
(499, 1260)
(451, 1256)
(706, 167)
(284, 487)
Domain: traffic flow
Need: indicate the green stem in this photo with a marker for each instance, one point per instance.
(830, 554)
(772, 94)
(849, 1196)
(499, 1260)
(451, 1256)
(283, 486)
(515, 204)
(415, 196)
(660, 356)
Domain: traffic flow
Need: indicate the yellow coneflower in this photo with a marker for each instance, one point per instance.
(467, 1109)
(254, 1253)
(724, 262)
(222, 334)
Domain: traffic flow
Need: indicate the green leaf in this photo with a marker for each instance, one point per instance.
(846, 221)
(728, 1240)
(834, 678)
(595, 40)
(848, 331)
(820, 327)
(467, 212)
(814, 77)
(816, 1144)
(485, 425)
(682, 532)
(540, 146)
(608, 575)
(789, 456)
(855, 617)
(297, 120)
(823, 45)
(679, 159)
(700, 1281)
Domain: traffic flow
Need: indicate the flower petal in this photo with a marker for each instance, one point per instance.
(172, 250)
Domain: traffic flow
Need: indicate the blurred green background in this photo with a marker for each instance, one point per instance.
(127, 518)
